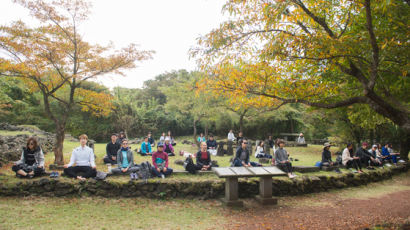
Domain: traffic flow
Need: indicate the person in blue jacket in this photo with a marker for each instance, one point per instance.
(145, 148)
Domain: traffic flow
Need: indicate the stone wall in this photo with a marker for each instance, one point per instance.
(11, 146)
(190, 189)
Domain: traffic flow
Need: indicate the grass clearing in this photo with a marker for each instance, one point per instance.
(103, 213)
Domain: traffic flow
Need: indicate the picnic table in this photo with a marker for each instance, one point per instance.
(265, 174)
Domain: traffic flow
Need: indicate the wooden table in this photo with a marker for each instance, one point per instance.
(265, 174)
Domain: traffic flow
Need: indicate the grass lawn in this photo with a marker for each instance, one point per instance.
(140, 213)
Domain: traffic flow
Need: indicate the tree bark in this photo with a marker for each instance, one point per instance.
(241, 120)
(405, 146)
(58, 148)
(195, 140)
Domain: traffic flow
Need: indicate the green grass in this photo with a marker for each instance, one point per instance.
(103, 213)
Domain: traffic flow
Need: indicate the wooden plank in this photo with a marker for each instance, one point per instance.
(241, 171)
(274, 171)
(259, 171)
(224, 172)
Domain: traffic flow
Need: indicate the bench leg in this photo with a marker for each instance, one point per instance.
(265, 191)
(231, 192)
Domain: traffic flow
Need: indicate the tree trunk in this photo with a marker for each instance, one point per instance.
(195, 140)
(241, 123)
(206, 131)
(58, 148)
(405, 146)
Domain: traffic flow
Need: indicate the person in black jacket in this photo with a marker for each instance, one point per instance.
(327, 155)
(242, 156)
(203, 158)
(363, 154)
(112, 148)
(211, 143)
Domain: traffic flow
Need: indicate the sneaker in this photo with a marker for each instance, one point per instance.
(337, 170)
(162, 176)
(401, 161)
(292, 176)
(388, 165)
(135, 176)
(131, 176)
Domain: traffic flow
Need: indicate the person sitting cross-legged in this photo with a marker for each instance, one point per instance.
(260, 152)
(111, 150)
(145, 147)
(31, 162)
(201, 138)
(282, 159)
(125, 160)
(212, 145)
(168, 147)
(242, 156)
(151, 139)
(349, 160)
(203, 158)
(160, 162)
(83, 158)
(327, 155)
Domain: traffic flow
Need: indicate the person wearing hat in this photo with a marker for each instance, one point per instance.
(160, 162)
(301, 139)
(375, 161)
(327, 155)
(168, 147)
(364, 155)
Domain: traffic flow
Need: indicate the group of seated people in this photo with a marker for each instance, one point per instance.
(82, 162)
(363, 157)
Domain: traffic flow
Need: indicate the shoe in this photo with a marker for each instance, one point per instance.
(131, 176)
(337, 170)
(401, 161)
(136, 176)
(162, 176)
(387, 164)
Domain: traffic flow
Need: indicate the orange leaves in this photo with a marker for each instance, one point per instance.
(98, 103)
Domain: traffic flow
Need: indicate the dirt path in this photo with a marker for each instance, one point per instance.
(328, 211)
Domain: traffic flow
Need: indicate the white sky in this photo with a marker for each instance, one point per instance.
(170, 28)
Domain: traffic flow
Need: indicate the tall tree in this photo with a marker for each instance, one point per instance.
(322, 53)
(54, 59)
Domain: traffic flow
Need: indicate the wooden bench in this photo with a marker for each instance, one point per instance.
(231, 174)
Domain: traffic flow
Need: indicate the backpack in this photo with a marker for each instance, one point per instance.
(145, 170)
(100, 175)
(339, 160)
(189, 165)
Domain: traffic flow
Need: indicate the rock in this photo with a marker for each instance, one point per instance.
(264, 160)
(186, 142)
(220, 152)
(230, 148)
(179, 162)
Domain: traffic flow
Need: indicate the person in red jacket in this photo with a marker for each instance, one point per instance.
(160, 162)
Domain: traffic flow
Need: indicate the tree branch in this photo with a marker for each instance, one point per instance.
(373, 43)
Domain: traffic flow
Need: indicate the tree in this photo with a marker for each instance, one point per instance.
(185, 103)
(322, 53)
(54, 59)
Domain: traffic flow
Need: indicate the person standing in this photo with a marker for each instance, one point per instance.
(83, 158)
(301, 139)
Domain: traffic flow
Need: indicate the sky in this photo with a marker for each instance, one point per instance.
(169, 27)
